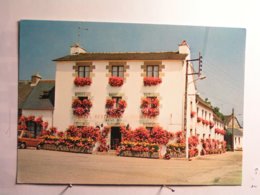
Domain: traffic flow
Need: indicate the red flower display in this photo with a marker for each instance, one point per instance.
(150, 107)
(220, 131)
(22, 122)
(192, 114)
(193, 143)
(157, 136)
(82, 81)
(116, 81)
(199, 119)
(211, 124)
(81, 108)
(151, 81)
(103, 147)
(115, 112)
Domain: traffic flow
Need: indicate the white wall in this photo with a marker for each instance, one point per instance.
(47, 115)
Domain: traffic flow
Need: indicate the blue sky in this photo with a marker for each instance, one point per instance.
(223, 51)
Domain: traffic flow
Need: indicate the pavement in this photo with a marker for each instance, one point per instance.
(53, 167)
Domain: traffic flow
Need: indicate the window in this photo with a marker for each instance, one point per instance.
(202, 113)
(118, 71)
(81, 98)
(197, 111)
(117, 99)
(152, 70)
(83, 71)
(149, 129)
(34, 128)
(206, 114)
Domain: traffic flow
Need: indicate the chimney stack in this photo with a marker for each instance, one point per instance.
(76, 49)
(184, 48)
(35, 79)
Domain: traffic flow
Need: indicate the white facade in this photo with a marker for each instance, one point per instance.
(207, 131)
(170, 93)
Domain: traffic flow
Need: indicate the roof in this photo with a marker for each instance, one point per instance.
(227, 119)
(41, 97)
(237, 132)
(203, 102)
(24, 89)
(124, 56)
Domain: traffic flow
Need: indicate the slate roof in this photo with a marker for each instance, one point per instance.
(237, 132)
(41, 97)
(124, 56)
(24, 89)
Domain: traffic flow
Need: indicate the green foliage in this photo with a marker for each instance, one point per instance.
(216, 110)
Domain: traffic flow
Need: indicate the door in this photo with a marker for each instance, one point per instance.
(115, 139)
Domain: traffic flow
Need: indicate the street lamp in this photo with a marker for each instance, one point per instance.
(200, 77)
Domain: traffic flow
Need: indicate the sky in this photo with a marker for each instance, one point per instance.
(222, 49)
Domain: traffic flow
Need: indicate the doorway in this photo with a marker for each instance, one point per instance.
(115, 139)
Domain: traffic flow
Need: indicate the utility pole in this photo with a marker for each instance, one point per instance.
(233, 141)
(186, 131)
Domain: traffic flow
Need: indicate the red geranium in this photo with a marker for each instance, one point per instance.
(115, 112)
(199, 119)
(82, 81)
(192, 114)
(116, 81)
(150, 81)
(81, 108)
(150, 107)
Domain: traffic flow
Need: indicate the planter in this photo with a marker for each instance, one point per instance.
(64, 148)
(140, 154)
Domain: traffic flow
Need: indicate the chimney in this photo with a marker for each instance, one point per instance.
(184, 48)
(35, 79)
(76, 49)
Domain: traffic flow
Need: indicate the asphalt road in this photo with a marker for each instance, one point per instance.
(41, 166)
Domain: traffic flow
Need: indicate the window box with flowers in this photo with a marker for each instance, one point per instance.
(115, 81)
(152, 81)
(211, 124)
(150, 107)
(192, 114)
(82, 81)
(81, 108)
(115, 107)
(199, 119)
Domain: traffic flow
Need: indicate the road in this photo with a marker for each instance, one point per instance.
(42, 166)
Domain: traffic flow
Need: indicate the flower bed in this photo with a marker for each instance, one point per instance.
(115, 112)
(211, 146)
(116, 81)
(142, 143)
(152, 81)
(68, 144)
(150, 107)
(82, 81)
(81, 108)
(175, 150)
(138, 149)
(75, 139)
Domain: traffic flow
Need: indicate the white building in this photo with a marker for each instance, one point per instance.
(133, 68)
